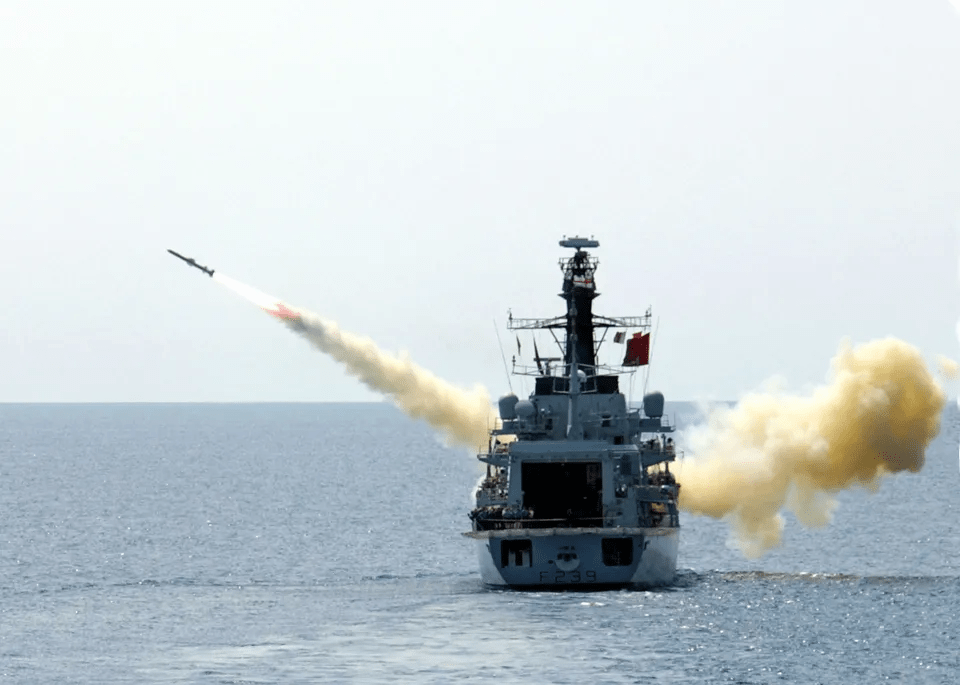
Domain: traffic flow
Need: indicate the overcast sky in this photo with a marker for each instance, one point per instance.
(770, 176)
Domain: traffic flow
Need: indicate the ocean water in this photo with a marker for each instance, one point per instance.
(321, 544)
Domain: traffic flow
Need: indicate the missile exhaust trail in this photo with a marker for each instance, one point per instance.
(463, 416)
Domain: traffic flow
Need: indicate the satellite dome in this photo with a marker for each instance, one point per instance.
(653, 405)
(508, 407)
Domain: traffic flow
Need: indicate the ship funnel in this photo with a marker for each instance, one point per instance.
(508, 407)
(653, 405)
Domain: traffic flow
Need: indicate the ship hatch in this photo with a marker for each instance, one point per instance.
(566, 495)
(617, 551)
(516, 553)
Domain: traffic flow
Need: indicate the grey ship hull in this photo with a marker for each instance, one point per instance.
(577, 557)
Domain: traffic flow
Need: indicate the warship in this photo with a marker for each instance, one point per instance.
(578, 490)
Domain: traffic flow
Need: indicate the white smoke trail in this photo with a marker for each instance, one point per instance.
(774, 452)
(463, 416)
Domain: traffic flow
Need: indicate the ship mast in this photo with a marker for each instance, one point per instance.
(580, 373)
(574, 427)
(579, 289)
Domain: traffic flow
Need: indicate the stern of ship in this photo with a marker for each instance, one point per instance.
(565, 558)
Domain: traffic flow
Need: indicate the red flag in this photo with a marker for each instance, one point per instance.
(638, 350)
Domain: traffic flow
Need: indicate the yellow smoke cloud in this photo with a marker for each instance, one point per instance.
(770, 453)
(462, 416)
(949, 369)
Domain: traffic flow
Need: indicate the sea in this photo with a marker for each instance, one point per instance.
(321, 543)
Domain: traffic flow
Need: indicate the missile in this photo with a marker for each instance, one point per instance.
(191, 262)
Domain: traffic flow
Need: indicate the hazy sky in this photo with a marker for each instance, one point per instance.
(770, 176)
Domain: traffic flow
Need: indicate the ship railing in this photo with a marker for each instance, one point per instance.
(639, 322)
(497, 493)
(493, 484)
(497, 458)
(579, 522)
(656, 446)
(667, 518)
(527, 523)
(559, 371)
(664, 423)
(661, 519)
(514, 324)
(486, 500)
(601, 420)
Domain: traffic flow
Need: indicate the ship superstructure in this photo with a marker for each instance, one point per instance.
(578, 489)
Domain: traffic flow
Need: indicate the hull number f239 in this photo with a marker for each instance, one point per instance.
(568, 577)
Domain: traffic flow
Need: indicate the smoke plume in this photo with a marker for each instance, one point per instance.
(462, 416)
(949, 369)
(770, 453)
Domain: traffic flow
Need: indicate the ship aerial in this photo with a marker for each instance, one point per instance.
(578, 490)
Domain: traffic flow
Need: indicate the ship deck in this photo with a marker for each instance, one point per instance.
(547, 532)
